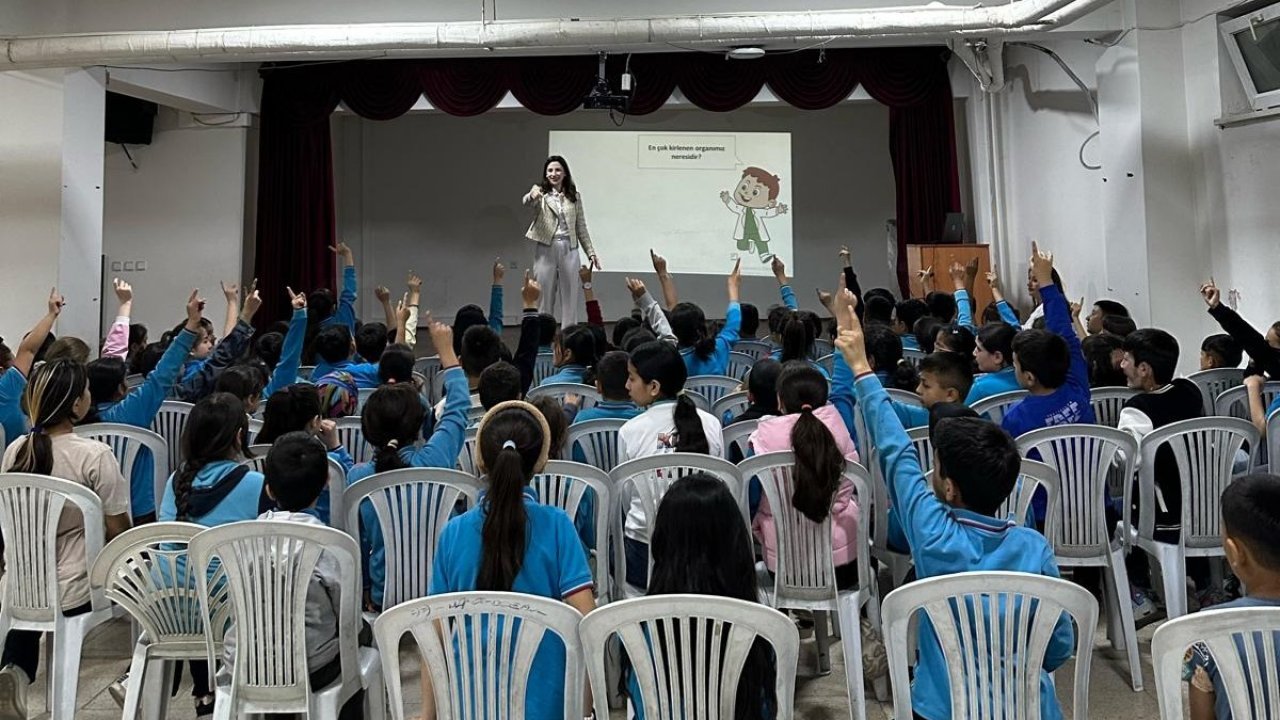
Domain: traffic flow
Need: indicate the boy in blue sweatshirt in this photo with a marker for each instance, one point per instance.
(949, 527)
(1049, 363)
(334, 348)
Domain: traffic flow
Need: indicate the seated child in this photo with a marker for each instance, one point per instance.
(993, 351)
(334, 349)
(574, 349)
(884, 350)
(1220, 351)
(762, 393)
(1102, 310)
(1103, 354)
(611, 382)
(906, 315)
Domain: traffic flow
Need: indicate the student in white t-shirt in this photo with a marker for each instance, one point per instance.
(56, 397)
(671, 422)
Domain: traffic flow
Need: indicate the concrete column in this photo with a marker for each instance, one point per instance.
(80, 249)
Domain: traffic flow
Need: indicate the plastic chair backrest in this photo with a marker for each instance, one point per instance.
(1273, 441)
(923, 446)
(336, 485)
(543, 367)
(906, 397)
(688, 652)
(734, 404)
(1033, 476)
(1205, 451)
(31, 508)
(467, 456)
(474, 414)
(735, 436)
(1108, 402)
(255, 427)
(1213, 383)
(739, 364)
(588, 396)
(563, 484)
(822, 347)
(827, 362)
(1234, 402)
(1245, 645)
(144, 571)
(125, 441)
(995, 406)
(429, 368)
(972, 635)
(805, 569)
(412, 506)
(913, 357)
(1083, 456)
(363, 398)
(268, 566)
(597, 440)
(699, 400)
(169, 423)
(351, 435)
(712, 387)
(757, 349)
(306, 371)
(134, 380)
(479, 648)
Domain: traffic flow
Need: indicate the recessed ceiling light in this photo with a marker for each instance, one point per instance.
(746, 53)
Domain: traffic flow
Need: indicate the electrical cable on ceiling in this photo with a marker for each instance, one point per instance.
(1093, 102)
(195, 117)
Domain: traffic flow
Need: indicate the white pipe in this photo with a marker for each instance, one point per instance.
(386, 39)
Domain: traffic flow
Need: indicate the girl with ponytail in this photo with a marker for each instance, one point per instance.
(510, 542)
(671, 422)
(702, 353)
(56, 396)
(574, 349)
(815, 431)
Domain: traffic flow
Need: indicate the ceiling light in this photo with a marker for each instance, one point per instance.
(746, 53)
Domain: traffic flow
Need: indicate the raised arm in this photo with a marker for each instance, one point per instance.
(926, 280)
(779, 269)
(1006, 312)
(446, 442)
(224, 355)
(144, 401)
(1263, 355)
(286, 371)
(232, 295)
(414, 298)
(383, 294)
(346, 312)
(117, 342)
(851, 279)
(526, 358)
(1057, 316)
(649, 308)
(495, 297)
(533, 196)
(733, 314)
(964, 309)
(594, 316)
(25, 355)
(669, 295)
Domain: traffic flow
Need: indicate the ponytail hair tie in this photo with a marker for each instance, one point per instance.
(509, 444)
(394, 444)
(37, 429)
(806, 408)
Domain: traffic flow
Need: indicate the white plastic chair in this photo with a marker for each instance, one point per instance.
(363, 397)
(739, 364)
(995, 406)
(306, 371)
(564, 484)
(1273, 442)
(1084, 457)
(960, 609)
(31, 507)
(1234, 402)
(125, 441)
(823, 347)
(467, 456)
(587, 395)
(699, 400)
(543, 367)
(1033, 476)
(134, 380)
(646, 480)
(688, 651)
(757, 349)
(141, 571)
(805, 576)
(733, 404)
(1205, 450)
(1213, 383)
(1108, 402)
(429, 369)
(337, 483)
(1243, 642)
(169, 423)
(736, 436)
(479, 648)
(597, 440)
(255, 427)
(919, 437)
(412, 506)
(905, 397)
(826, 362)
(913, 357)
(267, 568)
(712, 387)
(351, 435)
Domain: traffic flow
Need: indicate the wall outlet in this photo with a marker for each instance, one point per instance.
(128, 266)
(140, 265)
(115, 266)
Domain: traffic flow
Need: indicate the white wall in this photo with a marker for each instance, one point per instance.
(183, 213)
(30, 195)
(440, 195)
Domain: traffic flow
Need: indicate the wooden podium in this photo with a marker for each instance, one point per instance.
(940, 257)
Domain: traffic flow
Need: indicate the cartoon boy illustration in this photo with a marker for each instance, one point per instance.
(755, 198)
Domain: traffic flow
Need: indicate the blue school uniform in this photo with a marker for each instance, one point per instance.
(192, 367)
(1069, 403)
(609, 410)
(286, 372)
(572, 373)
(554, 566)
(909, 342)
(12, 385)
(718, 363)
(1201, 659)
(440, 451)
(365, 375)
(1000, 381)
(346, 312)
(139, 409)
(946, 540)
(321, 509)
(964, 313)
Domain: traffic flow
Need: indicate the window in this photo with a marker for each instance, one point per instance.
(1253, 42)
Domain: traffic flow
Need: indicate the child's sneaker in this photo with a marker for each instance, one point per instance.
(117, 689)
(13, 693)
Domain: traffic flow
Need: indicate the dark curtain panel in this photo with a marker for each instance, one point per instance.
(295, 186)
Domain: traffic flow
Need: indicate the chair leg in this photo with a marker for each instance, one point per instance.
(1173, 566)
(846, 618)
(375, 696)
(1109, 594)
(1124, 604)
(821, 641)
(133, 690)
(64, 670)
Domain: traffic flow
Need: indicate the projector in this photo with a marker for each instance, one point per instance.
(605, 101)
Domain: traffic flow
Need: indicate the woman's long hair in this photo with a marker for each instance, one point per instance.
(216, 430)
(510, 445)
(567, 187)
(50, 399)
(819, 465)
(700, 545)
(391, 420)
(661, 362)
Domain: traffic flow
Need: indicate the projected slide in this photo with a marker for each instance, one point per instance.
(701, 199)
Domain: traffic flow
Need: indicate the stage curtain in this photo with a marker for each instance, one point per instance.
(295, 182)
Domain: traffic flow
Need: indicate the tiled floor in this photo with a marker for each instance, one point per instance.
(107, 651)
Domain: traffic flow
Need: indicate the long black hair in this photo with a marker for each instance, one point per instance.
(577, 345)
(391, 420)
(216, 430)
(797, 338)
(689, 325)
(289, 409)
(659, 361)
(819, 463)
(50, 400)
(567, 187)
(509, 447)
(699, 545)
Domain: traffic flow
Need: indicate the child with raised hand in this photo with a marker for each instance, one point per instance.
(703, 354)
(1251, 541)
(816, 432)
(13, 381)
(510, 542)
(285, 371)
(391, 421)
(201, 383)
(334, 348)
(574, 349)
(1264, 351)
(670, 423)
(118, 343)
(949, 527)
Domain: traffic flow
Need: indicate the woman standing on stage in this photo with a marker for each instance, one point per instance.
(558, 227)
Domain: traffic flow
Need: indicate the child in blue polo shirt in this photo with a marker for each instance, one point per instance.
(611, 382)
(949, 527)
(13, 381)
(703, 354)
(994, 355)
(574, 349)
(510, 542)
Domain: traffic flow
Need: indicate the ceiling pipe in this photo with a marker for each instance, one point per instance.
(526, 37)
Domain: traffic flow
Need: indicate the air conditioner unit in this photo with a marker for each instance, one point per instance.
(1253, 42)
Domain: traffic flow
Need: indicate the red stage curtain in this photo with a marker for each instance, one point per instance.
(295, 180)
